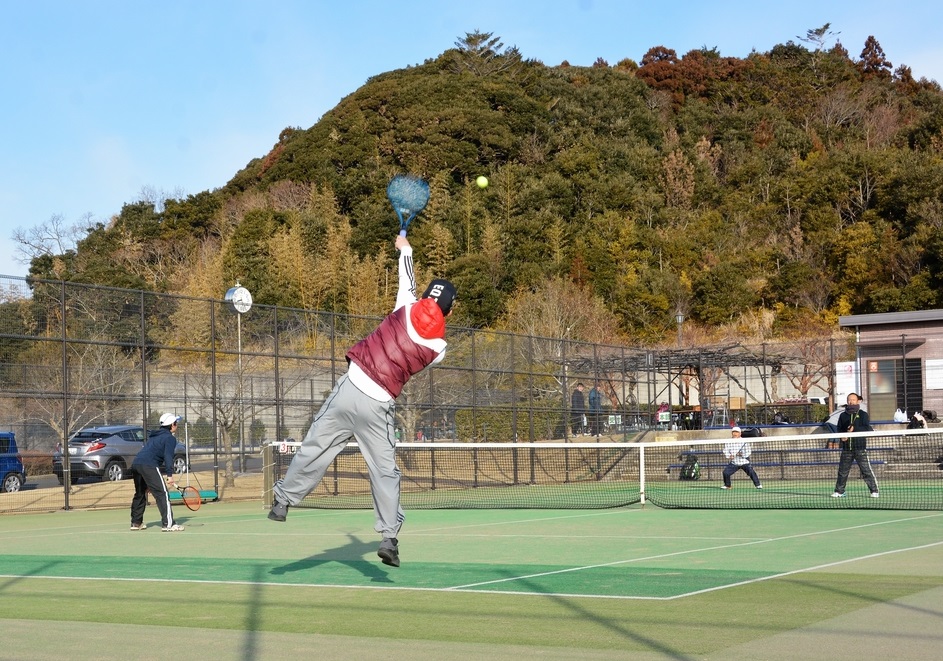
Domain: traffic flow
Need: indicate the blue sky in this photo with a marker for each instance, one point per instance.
(106, 101)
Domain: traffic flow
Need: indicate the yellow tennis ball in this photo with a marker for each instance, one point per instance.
(482, 181)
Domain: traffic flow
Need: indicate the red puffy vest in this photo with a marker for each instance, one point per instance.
(389, 356)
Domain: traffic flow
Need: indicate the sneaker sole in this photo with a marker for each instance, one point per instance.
(387, 558)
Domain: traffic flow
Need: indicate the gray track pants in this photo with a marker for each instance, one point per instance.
(348, 413)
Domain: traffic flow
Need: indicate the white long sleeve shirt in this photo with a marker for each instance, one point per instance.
(738, 452)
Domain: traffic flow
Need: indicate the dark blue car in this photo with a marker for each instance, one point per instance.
(11, 466)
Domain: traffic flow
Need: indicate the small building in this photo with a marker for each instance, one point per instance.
(899, 361)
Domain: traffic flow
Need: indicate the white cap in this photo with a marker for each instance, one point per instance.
(737, 429)
(168, 419)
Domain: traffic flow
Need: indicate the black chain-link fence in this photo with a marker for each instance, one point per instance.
(74, 356)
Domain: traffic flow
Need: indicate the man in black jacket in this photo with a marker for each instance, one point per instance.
(854, 450)
(146, 472)
(578, 410)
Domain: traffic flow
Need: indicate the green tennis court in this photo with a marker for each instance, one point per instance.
(619, 583)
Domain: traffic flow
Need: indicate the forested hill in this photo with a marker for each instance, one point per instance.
(783, 188)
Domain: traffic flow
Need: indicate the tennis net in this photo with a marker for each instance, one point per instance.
(794, 471)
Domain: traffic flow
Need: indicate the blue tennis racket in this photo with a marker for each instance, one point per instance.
(408, 195)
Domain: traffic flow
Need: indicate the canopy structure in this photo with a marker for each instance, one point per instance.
(697, 380)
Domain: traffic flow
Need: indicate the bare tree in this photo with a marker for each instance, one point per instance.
(53, 237)
(840, 107)
(243, 388)
(677, 180)
(226, 397)
(881, 125)
(158, 197)
(561, 309)
(811, 367)
(96, 381)
(72, 383)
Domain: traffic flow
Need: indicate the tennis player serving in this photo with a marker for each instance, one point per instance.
(362, 404)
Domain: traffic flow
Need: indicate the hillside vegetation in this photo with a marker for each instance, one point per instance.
(766, 195)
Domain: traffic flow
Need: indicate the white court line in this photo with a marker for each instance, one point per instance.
(807, 569)
(689, 551)
(532, 520)
(520, 593)
(470, 588)
(330, 586)
(108, 527)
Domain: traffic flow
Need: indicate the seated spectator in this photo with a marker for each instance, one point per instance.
(917, 421)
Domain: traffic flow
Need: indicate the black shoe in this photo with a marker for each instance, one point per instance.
(279, 511)
(388, 551)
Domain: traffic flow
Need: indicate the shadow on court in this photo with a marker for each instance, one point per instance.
(616, 624)
(350, 554)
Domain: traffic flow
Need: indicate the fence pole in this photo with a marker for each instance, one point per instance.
(279, 411)
(214, 396)
(66, 460)
(268, 474)
(143, 337)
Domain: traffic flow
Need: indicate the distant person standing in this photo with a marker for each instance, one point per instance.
(578, 410)
(854, 450)
(737, 452)
(146, 472)
(595, 409)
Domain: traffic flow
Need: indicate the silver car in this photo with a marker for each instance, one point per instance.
(107, 453)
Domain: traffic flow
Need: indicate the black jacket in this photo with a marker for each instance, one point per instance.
(854, 422)
(577, 402)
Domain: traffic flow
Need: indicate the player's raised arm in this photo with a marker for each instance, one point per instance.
(406, 293)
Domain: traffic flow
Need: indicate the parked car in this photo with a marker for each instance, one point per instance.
(107, 453)
(11, 466)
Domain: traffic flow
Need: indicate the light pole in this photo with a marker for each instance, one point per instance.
(240, 302)
(679, 318)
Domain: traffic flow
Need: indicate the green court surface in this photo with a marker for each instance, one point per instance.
(626, 583)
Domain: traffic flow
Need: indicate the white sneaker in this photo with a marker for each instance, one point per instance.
(725, 487)
(174, 528)
(759, 486)
(838, 495)
(138, 526)
(875, 494)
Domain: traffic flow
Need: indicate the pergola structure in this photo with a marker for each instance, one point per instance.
(708, 370)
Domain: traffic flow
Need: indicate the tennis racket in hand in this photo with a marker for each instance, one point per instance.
(408, 195)
(191, 497)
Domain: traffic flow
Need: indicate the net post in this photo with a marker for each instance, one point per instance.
(641, 474)
(268, 474)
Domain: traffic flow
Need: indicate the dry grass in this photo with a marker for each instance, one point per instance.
(110, 495)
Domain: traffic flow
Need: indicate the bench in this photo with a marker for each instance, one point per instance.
(709, 459)
(206, 495)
